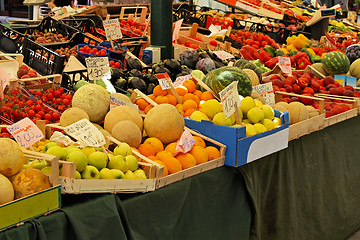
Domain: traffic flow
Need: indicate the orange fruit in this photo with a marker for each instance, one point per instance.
(186, 160)
(146, 149)
(181, 90)
(165, 171)
(135, 155)
(142, 103)
(148, 107)
(199, 142)
(163, 155)
(188, 104)
(213, 153)
(200, 154)
(173, 165)
(206, 96)
(161, 99)
(182, 113)
(152, 97)
(172, 99)
(190, 96)
(197, 93)
(179, 106)
(152, 158)
(190, 85)
(159, 92)
(171, 147)
(146, 168)
(189, 112)
(155, 143)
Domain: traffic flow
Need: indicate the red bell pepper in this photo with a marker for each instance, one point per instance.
(302, 63)
(246, 54)
(300, 55)
(265, 56)
(252, 51)
(272, 62)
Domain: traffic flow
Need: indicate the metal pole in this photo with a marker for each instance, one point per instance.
(161, 26)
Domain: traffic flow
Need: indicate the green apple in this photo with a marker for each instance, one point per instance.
(88, 150)
(259, 128)
(77, 175)
(98, 160)
(38, 164)
(123, 149)
(99, 149)
(118, 174)
(250, 130)
(47, 170)
(268, 112)
(49, 145)
(26, 166)
(106, 173)
(277, 121)
(90, 172)
(220, 119)
(246, 104)
(79, 158)
(255, 115)
(269, 124)
(118, 162)
(71, 149)
(130, 175)
(110, 156)
(57, 151)
(258, 103)
(140, 174)
(132, 162)
(211, 107)
(246, 121)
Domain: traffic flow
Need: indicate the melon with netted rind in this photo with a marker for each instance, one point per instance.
(164, 122)
(94, 100)
(6, 190)
(121, 96)
(127, 131)
(72, 115)
(121, 113)
(11, 157)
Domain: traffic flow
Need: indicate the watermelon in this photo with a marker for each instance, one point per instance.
(220, 78)
(246, 64)
(336, 63)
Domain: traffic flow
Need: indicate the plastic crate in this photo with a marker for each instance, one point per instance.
(113, 54)
(98, 21)
(86, 26)
(81, 56)
(11, 41)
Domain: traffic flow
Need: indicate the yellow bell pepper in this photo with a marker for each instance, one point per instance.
(311, 52)
(291, 47)
(290, 40)
(285, 50)
(322, 55)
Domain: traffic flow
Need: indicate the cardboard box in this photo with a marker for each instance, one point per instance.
(241, 149)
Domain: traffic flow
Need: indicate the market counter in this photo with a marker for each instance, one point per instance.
(307, 191)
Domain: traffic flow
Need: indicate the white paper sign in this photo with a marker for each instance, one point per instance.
(25, 132)
(114, 102)
(266, 91)
(83, 130)
(223, 55)
(112, 29)
(229, 96)
(180, 80)
(185, 143)
(163, 79)
(4, 78)
(98, 68)
(176, 30)
(285, 64)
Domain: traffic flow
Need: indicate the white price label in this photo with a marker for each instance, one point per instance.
(112, 29)
(223, 55)
(229, 96)
(285, 64)
(25, 132)
(98, 68)
(4, 78)
(180, 80)
(83, 130)
(185, 143)
(266, 91)
(114, 102)
(163, 79)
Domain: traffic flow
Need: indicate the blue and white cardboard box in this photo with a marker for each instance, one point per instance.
(241, 149)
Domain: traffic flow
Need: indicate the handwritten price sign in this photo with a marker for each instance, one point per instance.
(163, 79)
(185, 143)
(86, 132)
(25, 132)
(112, 29)
(229, 96)
(285, 64)
(180, 80)
(266, 91)
(98, 68)
(223, 55)
(114, 102)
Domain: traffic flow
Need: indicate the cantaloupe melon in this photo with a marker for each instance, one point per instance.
(284, 104)
(94, 100)
(72, 115)
(253, 76)
(312, 111)
(320, 68)
(297, 112)
(121, 113)
(355, 68)
(127, 131)
(256, 95)
(164, 122)
(121, 96)
(6, 190)
(11, 157)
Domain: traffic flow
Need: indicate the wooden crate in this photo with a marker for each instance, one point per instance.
(42, 203)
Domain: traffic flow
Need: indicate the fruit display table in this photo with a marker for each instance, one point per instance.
(307, 191)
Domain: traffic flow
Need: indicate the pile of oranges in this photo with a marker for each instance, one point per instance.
(189, 95)
(153, 149)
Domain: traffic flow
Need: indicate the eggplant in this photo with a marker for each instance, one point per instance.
(150, 88)
(121, 83)
(116, 74)
(160, 68)
(133, 63)
(135, 73)
(138, 83)
(150, 78)
(173, 65)
(185, 69)
(189, 57)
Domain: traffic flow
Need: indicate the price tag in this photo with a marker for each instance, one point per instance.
(229, 96)
(112, 29)
(185, 143)
(114, 102)
(223, 55)
(351, 81)
(4, 78)
(266, 91)
(285, 64)
(83, 130)
(231, 64)
(176, 30)
(98, 68)
(163, 79)
(340, 79)
(25, 132)
(180, 80)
